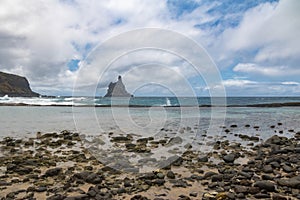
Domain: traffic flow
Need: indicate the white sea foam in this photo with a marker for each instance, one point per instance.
(40, 101)
(168, 102)
(75, 99)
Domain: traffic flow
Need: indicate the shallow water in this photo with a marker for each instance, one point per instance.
(23, 121)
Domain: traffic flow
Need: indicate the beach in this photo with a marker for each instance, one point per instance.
(53, 149)
(253, 157)
(149, 100)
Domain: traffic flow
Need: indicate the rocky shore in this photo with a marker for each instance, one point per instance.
(56, 166)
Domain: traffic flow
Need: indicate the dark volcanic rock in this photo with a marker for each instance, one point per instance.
(293, 182)
(53, 172)
(15, 86)
(170, 175)
(229, 158)
(117, 89)
(89, 177)
(266, 185)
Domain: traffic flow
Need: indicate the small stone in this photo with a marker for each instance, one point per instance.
(230, 195)
(56, 197)
(88, 168)
(92, 193)
(170, 175)
(3, 183)
(159, 182)
(183, 197)
(293, 182)
(121, 190)
(217, 178)
(241, 189)
(229, 158)
(227, 131)
(53, 172)
(10, 195)
(160, 175)
(254, 190)
(127, 183)
(275, 164)
(139, 197)
(174, 141)
(179, 183)
(203, 159)
(240, 195)
(267, 177)
(41, 189)
(266, 185)
(267, 169)
(287, 168)
(193, 194)
(209, 174)
(262, 196)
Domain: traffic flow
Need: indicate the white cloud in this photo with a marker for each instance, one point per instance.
(273, 28)
(251, 68)
(290, 83)
(237, 83)
(237, 87)
(38, 38)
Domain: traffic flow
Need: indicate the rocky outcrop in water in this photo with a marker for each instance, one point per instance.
(15, 86)
(117, 89)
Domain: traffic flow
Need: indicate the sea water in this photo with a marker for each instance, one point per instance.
(25, 121)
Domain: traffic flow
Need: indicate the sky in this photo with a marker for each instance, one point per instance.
(254, 45)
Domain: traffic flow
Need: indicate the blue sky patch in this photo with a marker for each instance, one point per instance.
(73, 65)
(179, 7)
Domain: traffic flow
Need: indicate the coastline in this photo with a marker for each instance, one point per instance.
(57, 166)
(262, 105)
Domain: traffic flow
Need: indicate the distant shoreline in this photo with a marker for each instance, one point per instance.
(264, 105)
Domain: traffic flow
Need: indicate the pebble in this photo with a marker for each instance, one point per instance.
(53, 172)
(272, 174)
(193, 194)
(203, 158)
(170, 175)
(229, 158)
(266, 185)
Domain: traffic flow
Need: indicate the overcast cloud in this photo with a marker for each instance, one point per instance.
(255, 44)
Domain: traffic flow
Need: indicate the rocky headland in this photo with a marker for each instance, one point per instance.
(15, 86)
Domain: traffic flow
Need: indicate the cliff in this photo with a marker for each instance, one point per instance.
(15, 86)
(117, 89)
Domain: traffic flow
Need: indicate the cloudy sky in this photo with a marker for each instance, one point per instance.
(255, 45)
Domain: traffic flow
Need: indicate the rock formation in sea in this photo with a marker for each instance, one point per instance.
(117, 89)
(15, 86)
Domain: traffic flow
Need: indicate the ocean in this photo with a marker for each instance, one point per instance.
(24, 117)
(146, 101)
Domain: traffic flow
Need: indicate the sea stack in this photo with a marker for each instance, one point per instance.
(117, 89)
(15, 86)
